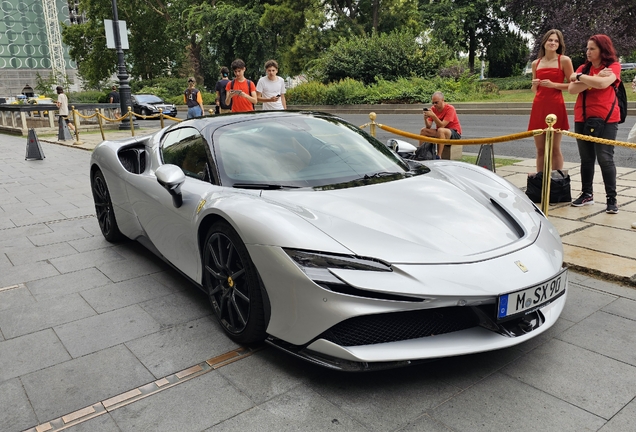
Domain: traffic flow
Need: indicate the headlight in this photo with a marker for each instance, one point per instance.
(316, 265)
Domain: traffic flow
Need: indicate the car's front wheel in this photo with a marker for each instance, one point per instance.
(104, 208)
(233, 286)
(145, 112)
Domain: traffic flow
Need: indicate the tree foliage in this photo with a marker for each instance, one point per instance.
(380, 56)
(508, 56)
(578, 20)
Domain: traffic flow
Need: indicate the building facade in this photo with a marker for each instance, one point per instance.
(25, 49)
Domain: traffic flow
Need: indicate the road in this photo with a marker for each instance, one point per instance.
(482, 126)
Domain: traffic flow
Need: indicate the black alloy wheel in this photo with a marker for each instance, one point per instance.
(233, 286)
(104, 209)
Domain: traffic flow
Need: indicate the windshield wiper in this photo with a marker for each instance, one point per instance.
(381, 174)
(263, 186)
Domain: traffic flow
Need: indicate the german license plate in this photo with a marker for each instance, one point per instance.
(528, 300)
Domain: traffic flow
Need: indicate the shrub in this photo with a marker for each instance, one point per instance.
(380, 56)
(90, 96)
(309, 93)
(512, 83)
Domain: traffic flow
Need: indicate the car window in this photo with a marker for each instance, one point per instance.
(188, 150)
(148, 99)
(300, 151)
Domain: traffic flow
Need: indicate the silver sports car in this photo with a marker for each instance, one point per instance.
(311, 235)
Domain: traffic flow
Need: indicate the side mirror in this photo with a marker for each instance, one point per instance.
(171, 177)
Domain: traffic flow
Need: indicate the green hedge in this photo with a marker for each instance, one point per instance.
(401, 91)
(512, 83)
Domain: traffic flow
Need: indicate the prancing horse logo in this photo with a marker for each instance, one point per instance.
(521, 266)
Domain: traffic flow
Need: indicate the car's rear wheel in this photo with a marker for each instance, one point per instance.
(104, 208)
(233, 286)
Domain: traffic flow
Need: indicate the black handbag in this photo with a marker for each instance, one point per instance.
(559, 187)
(594, 126)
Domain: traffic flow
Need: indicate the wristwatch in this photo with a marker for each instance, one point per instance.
(578, 76)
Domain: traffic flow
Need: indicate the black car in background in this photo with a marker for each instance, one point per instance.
(147, 104)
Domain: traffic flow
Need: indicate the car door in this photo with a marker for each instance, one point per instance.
(172, 230)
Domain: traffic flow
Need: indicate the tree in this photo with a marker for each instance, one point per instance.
(153, 51)
(466, 25)
(578, 20)
(508, 56)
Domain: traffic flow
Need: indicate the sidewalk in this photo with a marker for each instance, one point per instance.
(106, 337)
(594, 242)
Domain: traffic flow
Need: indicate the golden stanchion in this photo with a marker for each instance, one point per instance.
(550, 119)
(161, 117)
(132, 123)
(75, 124)
(372, 116)
(99, 120)
(211, 111)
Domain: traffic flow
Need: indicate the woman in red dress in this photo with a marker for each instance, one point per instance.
(549, 71)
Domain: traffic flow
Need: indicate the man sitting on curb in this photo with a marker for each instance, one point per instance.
(446, 122)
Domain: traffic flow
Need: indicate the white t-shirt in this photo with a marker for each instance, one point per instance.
(268, 89)
(63, 100)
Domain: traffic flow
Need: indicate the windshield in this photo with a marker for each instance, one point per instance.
(302, 151)
(148, 99)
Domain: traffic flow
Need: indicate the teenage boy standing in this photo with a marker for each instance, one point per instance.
(240, 91)
(271, 88)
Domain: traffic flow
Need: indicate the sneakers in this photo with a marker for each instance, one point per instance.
(584, 199)
(611, 206)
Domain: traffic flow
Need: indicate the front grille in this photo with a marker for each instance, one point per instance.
(397, 326)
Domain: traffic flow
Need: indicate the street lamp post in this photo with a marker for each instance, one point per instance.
(124, 88)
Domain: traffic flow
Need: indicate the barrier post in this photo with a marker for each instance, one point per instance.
(547, 163)
(372, 116)
(76, 124)
(161, 117)
(132, 123)
(99, 120)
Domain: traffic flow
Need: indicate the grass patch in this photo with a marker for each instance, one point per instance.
(498, 161)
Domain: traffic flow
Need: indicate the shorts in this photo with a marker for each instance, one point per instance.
(455, 134)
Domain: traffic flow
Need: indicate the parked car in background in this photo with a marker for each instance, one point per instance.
(41, 100)
(147, 104)
(626, 66)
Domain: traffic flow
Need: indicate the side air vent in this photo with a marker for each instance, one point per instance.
(133, 159)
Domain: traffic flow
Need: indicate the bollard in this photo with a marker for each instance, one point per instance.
(76, 124)
(550, 119)
(99, 120)
(161, 117)
(132, 123)
(372, 116)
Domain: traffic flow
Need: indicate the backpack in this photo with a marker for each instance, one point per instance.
(621, 95)
(425, 152)
(249, 86)
(619, 90)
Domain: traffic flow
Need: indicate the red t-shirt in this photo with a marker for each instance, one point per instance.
(598, 102)
(448, 113)
(239, 103)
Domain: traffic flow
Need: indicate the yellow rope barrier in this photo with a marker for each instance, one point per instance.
(596, 140)
(83, 116)
(462, 141)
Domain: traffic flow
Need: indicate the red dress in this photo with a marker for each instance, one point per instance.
(549, 101)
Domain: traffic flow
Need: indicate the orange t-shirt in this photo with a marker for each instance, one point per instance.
(239, 103)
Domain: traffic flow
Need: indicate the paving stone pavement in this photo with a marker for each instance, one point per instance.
(103, 336)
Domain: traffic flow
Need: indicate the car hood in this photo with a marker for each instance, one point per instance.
(432, 218)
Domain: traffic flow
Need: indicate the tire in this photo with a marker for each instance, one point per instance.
(104, 209)
(232, 284)
(144, 112)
